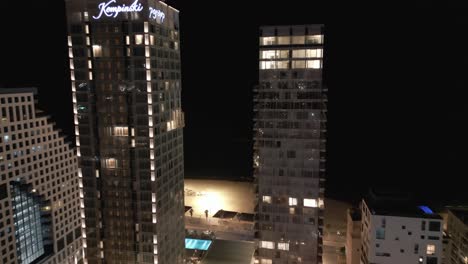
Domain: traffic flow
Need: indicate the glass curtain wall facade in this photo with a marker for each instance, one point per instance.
(125, 74)
(40, 219)
(289, 145)
(32, 222)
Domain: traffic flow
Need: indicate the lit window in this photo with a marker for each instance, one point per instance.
(298, 64)
(283, 246)
(430, 249)
(268, 54)
(111, 163)
(268, 40)
(274, 54)
(267, 244)
(314, 39)
(267, 199)
(97, 50)
(282, 64)
(314, 64)
(292, 201)
(298, 40)
(314, 53)
(299, 53)
(266, 261)
(321, 204)
(267, 65)
(284, 40)
(307, 53)
(310, 202)
(138, 39)
(6, 138)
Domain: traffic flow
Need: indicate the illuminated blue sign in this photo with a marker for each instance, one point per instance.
(113, 11)
(157, 15)
(426, 209)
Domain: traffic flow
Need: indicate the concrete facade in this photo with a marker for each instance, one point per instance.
(353, 237)
(457, 230)
(40, 218)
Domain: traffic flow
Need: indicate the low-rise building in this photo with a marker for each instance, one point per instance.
(395, 231)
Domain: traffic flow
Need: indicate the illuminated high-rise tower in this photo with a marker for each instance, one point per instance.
(125, 74)
(289, 146)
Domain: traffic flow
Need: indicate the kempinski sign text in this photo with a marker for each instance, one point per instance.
(109, 9)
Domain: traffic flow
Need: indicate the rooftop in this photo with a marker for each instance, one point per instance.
(18, 90)
(397, 203)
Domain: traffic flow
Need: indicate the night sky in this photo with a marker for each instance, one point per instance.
(396, 77)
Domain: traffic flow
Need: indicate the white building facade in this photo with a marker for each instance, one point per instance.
(392, 236)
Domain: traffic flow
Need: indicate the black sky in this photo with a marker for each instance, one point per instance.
(396, 77)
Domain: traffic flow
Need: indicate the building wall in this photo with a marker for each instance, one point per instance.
(125, 72)
(353, 241)
(394, 239)
(457, 252)
(39, 186)
(289, 147)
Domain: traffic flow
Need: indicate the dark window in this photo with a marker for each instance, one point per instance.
(431, 260)
(60, 244)
(423, 225)
(291, 154)
(140, 51)
(434, 226)
(381, 254)
(76, 29)
(433, 238)
(3, 191)
(137, 27)
(70, 238)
